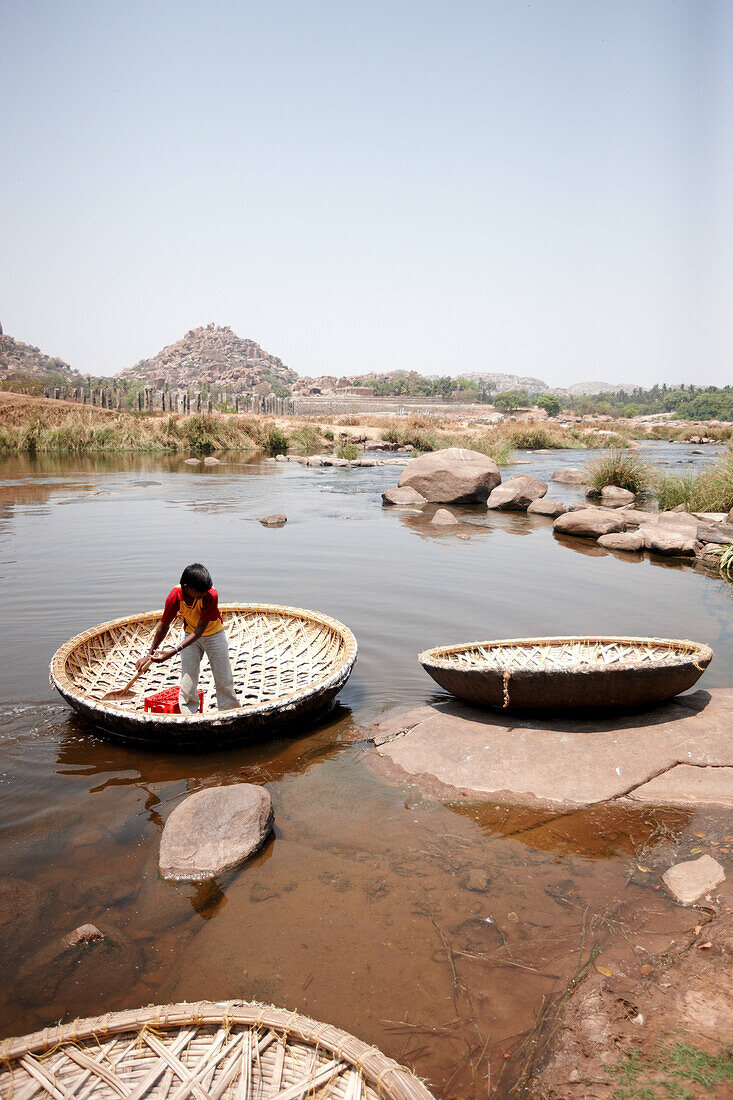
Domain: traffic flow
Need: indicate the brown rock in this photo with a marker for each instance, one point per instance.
(635, 517)
(589, 523)
(718, 533)
(516, 494)
(85, 933)
(569, 475)
(662, 539)
(277, 519)
(453, 476)
(613, 496)
(546, 506)
(215, 830)
(629, 541)
(444, 518)
(405, 496)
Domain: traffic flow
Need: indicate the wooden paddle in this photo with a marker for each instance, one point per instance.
(123, 692)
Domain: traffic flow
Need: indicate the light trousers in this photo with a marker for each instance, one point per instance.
(216, 648)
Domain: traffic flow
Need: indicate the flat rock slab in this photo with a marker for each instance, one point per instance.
(693, 879)
(689, 786)
(452, 749)
(214, 830)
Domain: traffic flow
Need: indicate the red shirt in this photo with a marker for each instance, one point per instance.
(204, 610)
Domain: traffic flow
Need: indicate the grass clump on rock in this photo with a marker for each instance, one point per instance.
(349, 451)
(618, 467)
(711, 491)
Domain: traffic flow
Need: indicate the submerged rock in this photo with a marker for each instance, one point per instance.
(516, 494)
(215, 830)
(85, 933)
(693, 879)
(277, 519)
(452, 476)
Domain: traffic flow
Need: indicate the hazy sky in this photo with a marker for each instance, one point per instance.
(538, 188)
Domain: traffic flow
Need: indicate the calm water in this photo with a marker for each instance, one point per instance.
(432, 930)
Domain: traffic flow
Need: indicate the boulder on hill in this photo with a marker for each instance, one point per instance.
(516, 494)
(569, 475)
(546, 506)
(589, 523)
(452, 476)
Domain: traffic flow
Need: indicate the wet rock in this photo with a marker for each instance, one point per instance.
(211, 461)
(192, 461)
(314, 460)
(629, 541)
(589, 523)
(613, 496)
(261, 892)
(85, 933)
(662, 539)
(476, 879)
(444, 518)
(277, 519)
(546, 506)
(516, 494)
(452, 476)
(215, 830)
(405, 495)
(693, 879)
(569, 475)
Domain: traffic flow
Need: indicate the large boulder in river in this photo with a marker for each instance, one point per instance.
(516, 494)
(453, 476)
(214, 830)
(546, 506)
(405, 496)
(589, 523)
(569, 475)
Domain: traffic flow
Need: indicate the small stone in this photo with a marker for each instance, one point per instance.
(444, 518)
(192, 461)
(477, 880)
(277, 519)
(693, 879)
(85, 933)
(574, 1077)
(215, 830)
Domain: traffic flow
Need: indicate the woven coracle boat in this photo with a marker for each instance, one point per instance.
(207, 1051)
(567, 673)
(288, 665)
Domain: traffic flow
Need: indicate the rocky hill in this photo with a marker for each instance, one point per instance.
(211, 354)
(503, 382)
(17, 358)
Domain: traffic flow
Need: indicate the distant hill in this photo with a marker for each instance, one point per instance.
(212, 354)
(503, 382)
(596, 387)
(29, 361)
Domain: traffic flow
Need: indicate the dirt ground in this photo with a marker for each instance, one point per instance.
(661, 1027)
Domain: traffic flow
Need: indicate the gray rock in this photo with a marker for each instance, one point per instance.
(214, 830)
(635, 517)
(693, 879)
(516, 494)
(453, 476)
(444, 518)
(546, 506)
(589, 523)
(613, 496)
(663, 539)
(211, 461)
(405, 496)
(277, 519)
(192, 461)
(569, 475)
(718, 533)
(629, 541)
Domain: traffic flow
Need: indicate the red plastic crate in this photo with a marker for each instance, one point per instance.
(166, 701)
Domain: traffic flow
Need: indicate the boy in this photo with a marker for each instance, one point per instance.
(197, 605)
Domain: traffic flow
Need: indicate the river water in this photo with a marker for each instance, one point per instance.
(435, 931)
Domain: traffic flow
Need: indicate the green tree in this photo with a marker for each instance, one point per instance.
(511, 400)
(550, 402)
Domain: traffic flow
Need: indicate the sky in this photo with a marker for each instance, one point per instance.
(538, 188)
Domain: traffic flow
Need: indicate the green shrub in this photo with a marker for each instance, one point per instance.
(307, 438)
(197, 433)
(671, 490)
(275, 442)
(347, 450)
(328, 434)
(618, 467)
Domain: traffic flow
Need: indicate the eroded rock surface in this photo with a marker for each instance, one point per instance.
(215, 830)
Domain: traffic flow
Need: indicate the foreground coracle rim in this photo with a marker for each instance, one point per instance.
(208, 1050)
(288, 664)
(567, 673)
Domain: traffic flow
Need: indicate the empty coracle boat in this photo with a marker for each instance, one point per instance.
(567, 673)
(288, 665)
(212, 1050)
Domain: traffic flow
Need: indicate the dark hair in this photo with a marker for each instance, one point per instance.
(197, 576)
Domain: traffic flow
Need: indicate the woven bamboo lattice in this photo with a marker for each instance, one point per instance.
(568, 672)
(283, 658)
(207, 1051)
